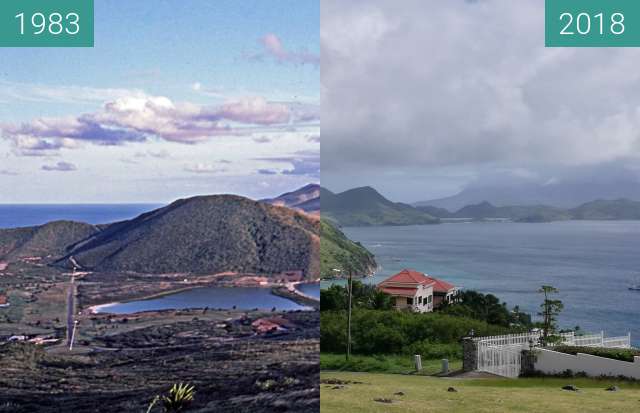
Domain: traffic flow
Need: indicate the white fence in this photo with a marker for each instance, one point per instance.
(553, 362)
(501, 355)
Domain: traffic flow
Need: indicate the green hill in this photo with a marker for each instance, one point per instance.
(201, 235)
(619, 209)
(366, 207)
(52, 239)
(206, 234)
(337, 252)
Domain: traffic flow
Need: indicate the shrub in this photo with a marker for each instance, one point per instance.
(622, 354)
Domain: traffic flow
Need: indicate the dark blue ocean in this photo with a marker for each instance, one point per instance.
(14, 216)
(591, 263)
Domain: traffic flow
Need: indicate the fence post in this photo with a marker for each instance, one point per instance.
(417, 360)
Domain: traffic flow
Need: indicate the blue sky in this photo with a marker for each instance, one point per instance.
(176, 99)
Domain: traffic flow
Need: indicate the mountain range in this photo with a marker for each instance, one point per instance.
(366, 207)
(305, 199)
(620, 209)
(202, 235)
(556, 194)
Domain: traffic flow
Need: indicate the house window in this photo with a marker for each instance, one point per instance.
(409, 301)
(420, 300)
(429, 298)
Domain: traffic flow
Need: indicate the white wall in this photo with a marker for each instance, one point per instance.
(553, 362)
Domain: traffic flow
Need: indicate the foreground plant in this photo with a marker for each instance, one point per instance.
(178, 399)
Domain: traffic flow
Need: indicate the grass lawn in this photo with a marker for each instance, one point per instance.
(429, 394)
(393, 364)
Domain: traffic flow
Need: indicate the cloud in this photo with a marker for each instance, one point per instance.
(203, 168)
(34, 92)
(475, 86)
(7, 172)
(267, 172)
(261, 139)
(303, 163)
(274, 48)
(141, 117)
(60, 167)
(253, 110)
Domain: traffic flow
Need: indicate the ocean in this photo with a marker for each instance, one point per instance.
(592, 263)
(14, 216)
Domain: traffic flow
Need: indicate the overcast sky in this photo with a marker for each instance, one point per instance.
(423, 98)
(176, 99)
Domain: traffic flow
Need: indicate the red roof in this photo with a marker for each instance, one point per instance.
(408, 277)
(403, 292)
(440, 286)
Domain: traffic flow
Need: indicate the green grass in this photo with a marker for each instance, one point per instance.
(392, 364)
(429, 394)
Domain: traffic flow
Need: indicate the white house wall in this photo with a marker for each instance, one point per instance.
(553, 362)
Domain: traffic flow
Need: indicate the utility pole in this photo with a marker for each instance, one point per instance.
(349, 316)
(73, 335)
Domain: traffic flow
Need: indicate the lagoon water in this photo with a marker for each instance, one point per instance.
(310, 289)
(14, 216)
(591, 263)
(212, 297)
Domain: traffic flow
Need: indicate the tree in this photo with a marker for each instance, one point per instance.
(550, 311)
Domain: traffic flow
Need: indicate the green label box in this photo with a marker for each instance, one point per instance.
(46, 23)
(592, 23)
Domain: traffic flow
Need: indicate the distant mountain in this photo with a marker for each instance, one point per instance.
(202, 235)
(366, 207)
(339, 255)
(620, 209)
(561, 195)
(52, 239)
(306, 199)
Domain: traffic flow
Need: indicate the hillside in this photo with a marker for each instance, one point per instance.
(206, 234)
(366, 207)
(339, 252)
(620, 209)
(306, 199)
(51, 239)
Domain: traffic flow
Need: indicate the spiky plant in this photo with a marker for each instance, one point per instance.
(180, 396)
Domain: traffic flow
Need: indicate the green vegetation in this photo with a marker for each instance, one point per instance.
(337, 252)
(550, 309)
(429, 394)
(434, 335)
(364, 296)
(366, 207)
(622, 354)
(487, 307)
(386, 363)
(178, 399)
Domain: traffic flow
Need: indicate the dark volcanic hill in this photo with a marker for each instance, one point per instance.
(306, 199)
(207, 234)
(51, 239)
(366, 207)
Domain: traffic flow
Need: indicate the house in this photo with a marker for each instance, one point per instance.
(418, 292)
(443, 292)
(410, 290)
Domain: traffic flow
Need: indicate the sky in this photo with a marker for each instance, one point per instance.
(176, 99)
(425, 100)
